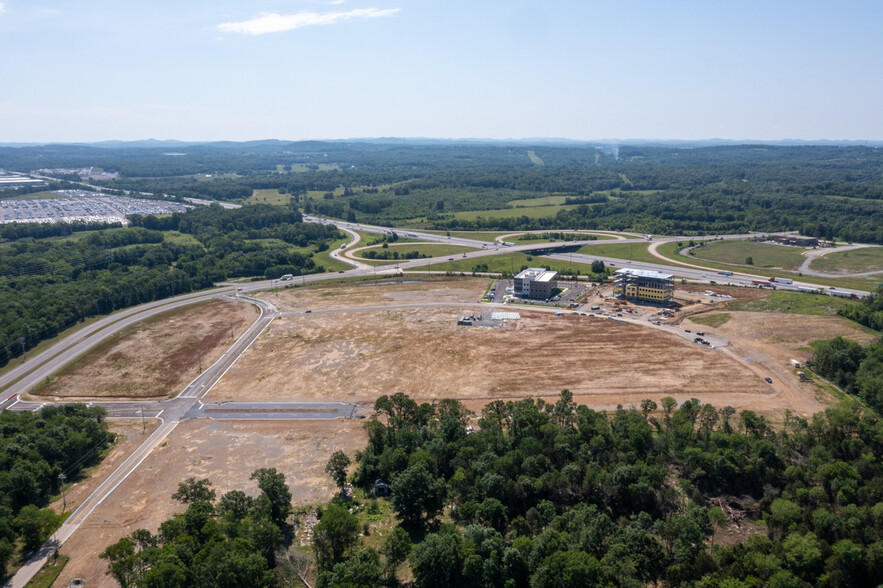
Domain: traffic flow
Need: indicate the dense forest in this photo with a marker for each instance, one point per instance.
(559, 495)
(49, 285)
(857, 370)
(35, 448)
(554, 495)
(822, 191)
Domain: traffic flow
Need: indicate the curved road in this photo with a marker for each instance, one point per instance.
(187, 405)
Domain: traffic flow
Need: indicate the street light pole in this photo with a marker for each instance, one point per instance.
(62, 478)
(143, 424)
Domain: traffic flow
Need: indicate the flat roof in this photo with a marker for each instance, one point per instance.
(644, 273)
(547, 276)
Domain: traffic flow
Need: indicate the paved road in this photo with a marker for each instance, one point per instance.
(187, 404)
(184, 407)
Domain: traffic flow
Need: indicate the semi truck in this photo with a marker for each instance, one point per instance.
(844, 294)
(725, 273)
(782, 280)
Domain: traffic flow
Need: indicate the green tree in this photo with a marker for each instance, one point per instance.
(437, 561)
(417, 495)
(34, 525)
(121, 561)
(336, 468)
(334, 535)
(272, 484)
(191, 490)
(396, 549)
(361, 571)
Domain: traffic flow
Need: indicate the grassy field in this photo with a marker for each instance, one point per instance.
(531, 212)
(794, 303)
(868, 259)
(180, 238)
(511, 262)
(711, 320)
(430, 249)
(324, 258)
(763, 254)
(488, 236)
(632, 251)
(268, 196)
(48, 573)
(46, 194)
(670, 251)
(531, 202)
(575, 237)
(534, 158)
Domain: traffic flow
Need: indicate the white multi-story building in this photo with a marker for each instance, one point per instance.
(536, 282)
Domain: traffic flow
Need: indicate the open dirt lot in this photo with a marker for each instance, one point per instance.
(786, 334)
(155, 359)
(392, 290)
(357, 356)
(224, 452)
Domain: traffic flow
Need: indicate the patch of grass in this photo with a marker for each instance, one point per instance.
(49, 572)
(180, 238)
(632, 251)
(535, 159)
(510, 262)
(268, 196)
(324, 258)
(711, 320)
(488, 236)
(672, 251)
(532, 212)
(430, 249)
(531, 202)
(763, 254)
(571, 236)
(794, 303)
(867, 259)
(44, 195)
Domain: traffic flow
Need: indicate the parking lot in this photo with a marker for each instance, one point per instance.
(568, 293)
(81, 205)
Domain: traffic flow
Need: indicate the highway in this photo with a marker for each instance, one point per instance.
(187, 405)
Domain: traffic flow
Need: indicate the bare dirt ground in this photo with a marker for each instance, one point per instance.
(392, 290)
(226, 453)
(157, 358)
(357, 356)
(686, 291)
(770, 340)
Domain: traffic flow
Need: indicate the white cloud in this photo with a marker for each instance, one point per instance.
(2, 8)
(269, 22)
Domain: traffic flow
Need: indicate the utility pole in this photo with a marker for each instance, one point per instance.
(143, 424)
(62, 478)
(231, 330)
(23, 351)
(200, 360)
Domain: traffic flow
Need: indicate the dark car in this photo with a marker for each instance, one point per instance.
(768, 380)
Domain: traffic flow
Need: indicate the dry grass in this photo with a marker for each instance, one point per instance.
(154, 359)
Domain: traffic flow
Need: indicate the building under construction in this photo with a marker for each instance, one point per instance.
(646, 285)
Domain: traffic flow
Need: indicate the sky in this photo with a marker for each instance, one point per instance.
(199, 70)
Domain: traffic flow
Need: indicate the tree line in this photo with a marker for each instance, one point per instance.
(35, 449)
(558, 495)
(47, 286)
